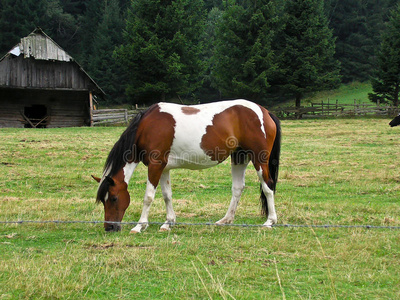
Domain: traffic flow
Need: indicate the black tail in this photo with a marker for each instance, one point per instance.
(395, 121)
(273, 165)
(275, 154)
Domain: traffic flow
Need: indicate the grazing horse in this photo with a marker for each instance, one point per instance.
(395, 121)
(168, 136)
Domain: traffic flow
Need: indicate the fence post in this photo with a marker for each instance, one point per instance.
(328, 110)
(355, 105)
(126, 116)
(336, 107)
(322, 107)
(91, 109)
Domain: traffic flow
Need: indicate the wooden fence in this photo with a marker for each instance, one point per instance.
(328, 109)
(113, 116)
(314, 110)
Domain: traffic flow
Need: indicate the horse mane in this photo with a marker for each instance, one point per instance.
(122, 152)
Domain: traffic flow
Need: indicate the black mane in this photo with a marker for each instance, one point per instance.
(122, 152)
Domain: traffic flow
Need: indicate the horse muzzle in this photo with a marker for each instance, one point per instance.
(112, 227)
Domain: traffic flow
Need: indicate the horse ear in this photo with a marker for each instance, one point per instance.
(96, 178)
(110, 180)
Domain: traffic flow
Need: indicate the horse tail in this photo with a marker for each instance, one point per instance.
(275, 154)
(273, 165)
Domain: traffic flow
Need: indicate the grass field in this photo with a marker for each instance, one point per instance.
(345, 94)
(332, 172)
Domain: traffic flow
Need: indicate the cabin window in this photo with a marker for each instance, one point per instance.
(35, 116)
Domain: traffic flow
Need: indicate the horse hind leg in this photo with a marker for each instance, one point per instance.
(167, 194)
(238, 183)
(267, 196)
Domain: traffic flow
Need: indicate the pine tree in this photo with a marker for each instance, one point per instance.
(357, 25)
(62, 27)
(386, 83)
(88, 30)
(18, 18)
(244, 58)
(306, 50)
(209, 90)
(162, 48)
(102, 65)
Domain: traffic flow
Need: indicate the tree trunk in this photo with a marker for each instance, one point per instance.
(396, 95)
(298, 102)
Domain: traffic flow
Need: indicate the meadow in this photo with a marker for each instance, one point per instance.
(333, 171)
(345, 94)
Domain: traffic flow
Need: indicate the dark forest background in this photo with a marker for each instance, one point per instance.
(144, 51)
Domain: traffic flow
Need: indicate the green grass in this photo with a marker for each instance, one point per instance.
(332, 172)
(345, 94)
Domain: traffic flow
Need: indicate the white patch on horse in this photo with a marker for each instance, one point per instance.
(186, 151)
(144, 217)
(272, 217)
(129, 168)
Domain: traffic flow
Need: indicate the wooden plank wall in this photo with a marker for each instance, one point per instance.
(64, 108)
(15, 71)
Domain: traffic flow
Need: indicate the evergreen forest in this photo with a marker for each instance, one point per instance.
(191, 51)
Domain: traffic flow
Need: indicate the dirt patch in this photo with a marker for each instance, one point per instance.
(106, 246)
(100, 246)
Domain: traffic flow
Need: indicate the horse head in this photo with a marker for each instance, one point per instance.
(114, 195)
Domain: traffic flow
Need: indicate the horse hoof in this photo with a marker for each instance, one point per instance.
(134, 232)
(268, 227)
(223, 222)
(163, 229)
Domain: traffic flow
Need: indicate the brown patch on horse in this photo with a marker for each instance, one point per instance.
(238, 128)
(155, 135)
(188, 110)
(263, 152)
(223, 137)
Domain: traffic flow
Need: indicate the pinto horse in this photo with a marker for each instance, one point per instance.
(168, 136)
(395, 121)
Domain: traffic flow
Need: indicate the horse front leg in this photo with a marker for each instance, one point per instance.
(154, 174)
(167, 195)
(148, 199)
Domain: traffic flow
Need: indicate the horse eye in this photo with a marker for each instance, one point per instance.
(113, 199)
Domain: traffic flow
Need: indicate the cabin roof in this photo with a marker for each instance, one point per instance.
(39, 46)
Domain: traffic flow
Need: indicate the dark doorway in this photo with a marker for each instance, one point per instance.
(36, 116)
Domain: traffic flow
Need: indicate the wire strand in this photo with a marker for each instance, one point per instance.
(200, 224)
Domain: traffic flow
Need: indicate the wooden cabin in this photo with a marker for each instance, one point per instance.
(42, 86)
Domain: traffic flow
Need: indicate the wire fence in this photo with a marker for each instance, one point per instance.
(203, 224)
